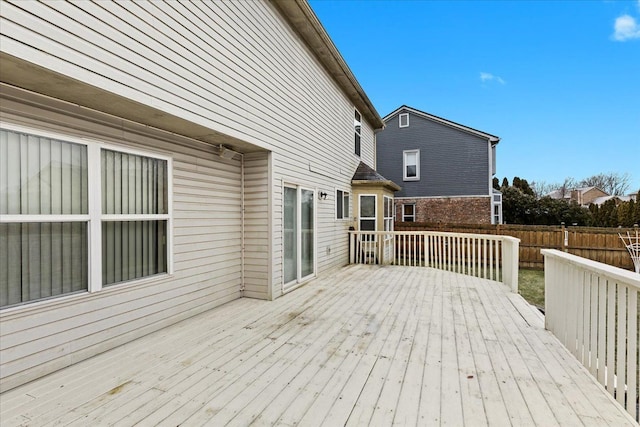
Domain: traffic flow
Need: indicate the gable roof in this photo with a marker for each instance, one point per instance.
(492, 138)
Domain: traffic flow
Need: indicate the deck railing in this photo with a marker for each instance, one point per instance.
(480, 255)
(593, 310)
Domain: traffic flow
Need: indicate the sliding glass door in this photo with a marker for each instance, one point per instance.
(298, 235)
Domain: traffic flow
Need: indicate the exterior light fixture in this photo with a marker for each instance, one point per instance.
(226, 153)
(322, 195)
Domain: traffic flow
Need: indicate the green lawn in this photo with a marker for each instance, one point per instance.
(531, 286)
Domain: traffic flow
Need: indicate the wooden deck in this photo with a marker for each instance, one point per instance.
(366, 345)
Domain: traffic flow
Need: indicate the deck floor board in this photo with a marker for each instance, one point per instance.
(365, 345)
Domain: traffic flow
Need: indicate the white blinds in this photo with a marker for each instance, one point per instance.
(47, 257)
(132, 186)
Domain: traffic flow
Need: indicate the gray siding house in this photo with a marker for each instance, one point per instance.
(445, 169)
(161, 158)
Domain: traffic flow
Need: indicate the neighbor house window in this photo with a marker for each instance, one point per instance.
(411, 165)
(409, 213)
(357, 125)
(404, 120)
(497, 209)
(75, 216)
(342, 204)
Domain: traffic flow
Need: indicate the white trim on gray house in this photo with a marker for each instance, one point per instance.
(491, 138)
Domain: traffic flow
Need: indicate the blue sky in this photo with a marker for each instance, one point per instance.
(558, 81)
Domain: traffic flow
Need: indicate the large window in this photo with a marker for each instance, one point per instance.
(135, 214)
(357, 126)
(411, 165)
(76, 216)
(342, 204)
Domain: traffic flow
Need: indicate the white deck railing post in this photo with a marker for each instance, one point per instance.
(510, 260)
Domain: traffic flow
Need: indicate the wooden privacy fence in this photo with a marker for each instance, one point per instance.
(594, 243)
(592, 308)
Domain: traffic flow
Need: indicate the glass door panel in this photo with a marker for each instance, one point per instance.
(290, 234)
(306, 233)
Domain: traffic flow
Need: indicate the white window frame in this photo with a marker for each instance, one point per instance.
(357, 128)
(404, 217)
(299, 280)
(403, 116)
(496, 217)
(95, 217)
(405, 154)
(375, 213)
(346, 200)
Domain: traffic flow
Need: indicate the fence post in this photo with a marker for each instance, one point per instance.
(565, 237)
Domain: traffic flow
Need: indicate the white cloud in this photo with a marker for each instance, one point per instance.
(626, 28)
(487, 77)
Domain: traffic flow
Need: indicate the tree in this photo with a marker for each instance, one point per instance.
(496, 183)
(523, 186)
(612, 183)
(505, 182)
(542, 188)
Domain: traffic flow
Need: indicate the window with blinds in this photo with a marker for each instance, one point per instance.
(135, 214)
(46, 212)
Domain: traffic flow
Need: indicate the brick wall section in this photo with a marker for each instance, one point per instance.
(451, 210)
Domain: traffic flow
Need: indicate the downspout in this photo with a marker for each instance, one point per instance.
(491, 219)
(242, 225)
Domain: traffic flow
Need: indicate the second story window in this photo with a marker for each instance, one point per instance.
(411, 165)
(357, 125)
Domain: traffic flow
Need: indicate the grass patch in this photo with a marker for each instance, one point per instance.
(531, 286)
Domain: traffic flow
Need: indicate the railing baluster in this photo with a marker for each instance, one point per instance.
(632, 348)
(602, 328)
(611, 335)
(593, 310)
(621, 362)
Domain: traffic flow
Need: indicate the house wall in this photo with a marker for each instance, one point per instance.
(39, 337)
(234, 73)
(452, 162)
(448, 210)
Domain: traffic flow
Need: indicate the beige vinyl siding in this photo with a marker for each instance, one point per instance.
(256, 226)
(44, 336)
(235, 68)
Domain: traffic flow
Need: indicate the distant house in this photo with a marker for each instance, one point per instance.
(445, 169)
(159, 159)
(583, 196)
(618, 199)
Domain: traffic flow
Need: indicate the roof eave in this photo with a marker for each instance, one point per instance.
(491, 138)
(305, 23)
(389, 184)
